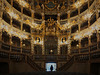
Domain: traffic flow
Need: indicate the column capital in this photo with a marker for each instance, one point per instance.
(42, 14)
(68, 11)
(33, 11)
(59, 14)
(43, 51)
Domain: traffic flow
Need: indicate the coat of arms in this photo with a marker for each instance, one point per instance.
(50, 5)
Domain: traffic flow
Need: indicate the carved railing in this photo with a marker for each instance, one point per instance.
(51, 57)
(67, 65)
(33, 64)
(16, 49)
(19, 57)
(22, 57)
(80, 58)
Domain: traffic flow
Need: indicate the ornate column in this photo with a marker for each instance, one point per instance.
(43, 49)
(32, 36)
(11, 20)
(21, 42)
(10, 42)
(69, 45)
(97, 32)
(32, 41)
(58, 18)
(0, 32)
(79, 39)
(89, 39)
(88, 3)
(43, 34)
(32, 44)
(58, 52)
(21, 45)
(1, 13)
(79, 29)
(73, 1)
(43, 16)
(12, 2)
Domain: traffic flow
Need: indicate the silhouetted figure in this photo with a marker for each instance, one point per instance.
(51, 68)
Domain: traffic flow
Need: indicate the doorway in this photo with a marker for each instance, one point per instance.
(48, 65)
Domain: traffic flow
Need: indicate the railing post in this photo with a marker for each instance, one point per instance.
(9, 56)
(74, 58)
(89, 67)
(26, 58)
(89, 56)
(89, 46)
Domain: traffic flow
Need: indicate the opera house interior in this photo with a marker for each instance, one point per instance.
(38, 34)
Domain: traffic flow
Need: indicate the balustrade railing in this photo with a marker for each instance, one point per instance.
(80, 58)
(67, 65)
(18, 57)
(86, 49)
(51, 57)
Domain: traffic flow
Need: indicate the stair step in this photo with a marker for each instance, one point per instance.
(48, 73)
